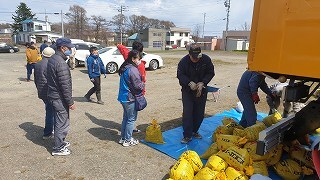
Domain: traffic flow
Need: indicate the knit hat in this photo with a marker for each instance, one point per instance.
(48, 52)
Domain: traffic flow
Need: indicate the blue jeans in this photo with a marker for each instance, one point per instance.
(249, 115)
(129, 118)
(48, 128)
(29, 70)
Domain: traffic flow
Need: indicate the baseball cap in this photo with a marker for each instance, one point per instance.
(195, 51)
(64, 42)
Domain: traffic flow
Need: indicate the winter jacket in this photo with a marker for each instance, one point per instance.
(95, 66)
(132, 76)
(250, 82)
(42, 47)
(40, 78)
(201, 71)
(125, 53)
(32, 54)
(59, 79)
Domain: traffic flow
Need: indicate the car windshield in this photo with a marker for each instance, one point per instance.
(103, 50)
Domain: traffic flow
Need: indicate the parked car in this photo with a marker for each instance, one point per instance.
(83, 51)
(6, 48)
(112, 59)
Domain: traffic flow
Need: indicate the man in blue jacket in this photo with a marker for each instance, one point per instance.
(195, 71)
(95, 69)
(247, 93)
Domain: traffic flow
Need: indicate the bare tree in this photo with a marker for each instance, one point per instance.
(78, 20)
(246, 27)
(118, 21)
(98, 24)
(137, 23)
(196, 33)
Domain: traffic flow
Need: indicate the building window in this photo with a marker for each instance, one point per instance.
(172, 34)
(156, 44)
(186, 34)
(171, 42)
(168, 33)
(37, 27)
(181, 34)
(156, 34)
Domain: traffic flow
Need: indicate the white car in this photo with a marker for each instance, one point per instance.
(112, 59)
(82, 51)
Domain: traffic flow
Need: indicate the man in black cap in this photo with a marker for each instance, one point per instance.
(195, 71)
(60, 94)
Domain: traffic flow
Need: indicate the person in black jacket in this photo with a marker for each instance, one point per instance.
(60, 94)
(40, 79)
(195, 71)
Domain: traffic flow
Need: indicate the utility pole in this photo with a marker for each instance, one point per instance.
(204, 22)
(122, 8)
(227, 5)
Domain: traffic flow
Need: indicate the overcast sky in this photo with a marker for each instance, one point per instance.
(183, 13)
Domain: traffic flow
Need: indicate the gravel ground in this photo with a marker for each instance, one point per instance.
(94, 132)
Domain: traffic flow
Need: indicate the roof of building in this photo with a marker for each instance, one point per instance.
(32, 20)
(175, 29)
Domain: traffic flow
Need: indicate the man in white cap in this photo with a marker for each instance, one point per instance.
(40, 79)
(60, 94)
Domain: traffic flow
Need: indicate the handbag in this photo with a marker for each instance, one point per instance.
(140, 101)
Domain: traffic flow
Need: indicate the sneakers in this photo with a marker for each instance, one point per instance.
(62, 152)
(136, 131)
(51, 136)
(100, 102)
(87, 98)
(67, 144)
(121, 141)
(130, 142)
(197, 135)
(186, 140)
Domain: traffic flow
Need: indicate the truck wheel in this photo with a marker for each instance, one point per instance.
(112, 68)
(153, 65)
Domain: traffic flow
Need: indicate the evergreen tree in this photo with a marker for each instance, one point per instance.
(23, 12)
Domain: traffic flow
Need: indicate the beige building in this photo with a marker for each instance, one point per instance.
(234, 39)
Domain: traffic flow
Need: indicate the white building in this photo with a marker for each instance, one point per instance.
(178, 37)
(36, 31)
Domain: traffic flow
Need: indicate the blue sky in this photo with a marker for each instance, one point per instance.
(184, 13)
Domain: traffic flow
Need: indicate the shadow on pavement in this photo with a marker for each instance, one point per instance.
(82, 99)
(84, 71)
(109, 130)
(34, 134)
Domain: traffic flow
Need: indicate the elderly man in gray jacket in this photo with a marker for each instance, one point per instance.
(60, 94)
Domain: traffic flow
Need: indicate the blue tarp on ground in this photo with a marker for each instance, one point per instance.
(174, 148)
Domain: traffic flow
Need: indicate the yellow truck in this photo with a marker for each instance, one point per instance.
(285, 45)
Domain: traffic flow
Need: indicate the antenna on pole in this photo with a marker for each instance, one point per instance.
(227, 5)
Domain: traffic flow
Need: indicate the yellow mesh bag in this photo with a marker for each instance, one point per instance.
(213, 149)
(226, 141)
(220, 130)
(227, 120)
(239, 132)
(216, 163)
(252, 132)
(182, 170)
(252, 149)
(274, 155)
(260, 167)
(236, 157)
(302, 156)
(288, 169)
(272, 119)
(153, 133)
(193, 158)
(208, 174)
(233, 174)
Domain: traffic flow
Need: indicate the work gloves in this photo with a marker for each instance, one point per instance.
(200, 86)
(192, 85)
(255, 98)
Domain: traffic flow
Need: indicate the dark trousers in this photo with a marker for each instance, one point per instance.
(49, 120)
(29, 70)
(61, 123)
(249, 115)
(96, 87)
(193, 112)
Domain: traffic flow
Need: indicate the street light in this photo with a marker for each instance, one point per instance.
(62, 28)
